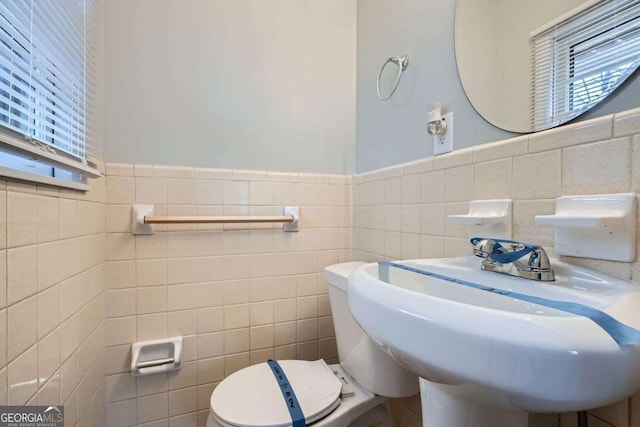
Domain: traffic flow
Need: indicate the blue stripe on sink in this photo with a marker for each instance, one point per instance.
(621, 333)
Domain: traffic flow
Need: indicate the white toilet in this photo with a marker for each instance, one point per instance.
(351, 394)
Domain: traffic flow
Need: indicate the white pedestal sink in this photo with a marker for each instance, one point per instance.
(487, 359)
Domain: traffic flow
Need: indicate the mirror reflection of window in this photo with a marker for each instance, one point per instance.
(578, 62)
(580, 57)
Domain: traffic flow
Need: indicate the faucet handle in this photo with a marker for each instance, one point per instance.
(539, 260)
(501, 250)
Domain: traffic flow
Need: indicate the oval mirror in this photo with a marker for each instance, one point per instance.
(528, 65)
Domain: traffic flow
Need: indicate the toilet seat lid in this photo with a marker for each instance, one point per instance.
(252, 397)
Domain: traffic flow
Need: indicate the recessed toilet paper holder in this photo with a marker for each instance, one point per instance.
(152, 357)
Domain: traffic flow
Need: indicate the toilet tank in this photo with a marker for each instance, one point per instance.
(365, 361)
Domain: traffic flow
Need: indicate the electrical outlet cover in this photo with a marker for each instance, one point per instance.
(444, 143)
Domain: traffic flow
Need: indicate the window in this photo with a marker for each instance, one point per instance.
(48, 90)
(580, 58)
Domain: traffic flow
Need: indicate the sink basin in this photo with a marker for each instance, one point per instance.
(492, 349)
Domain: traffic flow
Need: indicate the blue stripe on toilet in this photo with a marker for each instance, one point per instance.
(288, 394)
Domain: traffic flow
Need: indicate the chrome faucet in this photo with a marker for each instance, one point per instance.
(505, 257)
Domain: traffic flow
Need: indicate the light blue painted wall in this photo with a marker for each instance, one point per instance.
(393, 132)
(240, 84)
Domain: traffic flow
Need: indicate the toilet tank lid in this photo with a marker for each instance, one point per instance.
(338, 274)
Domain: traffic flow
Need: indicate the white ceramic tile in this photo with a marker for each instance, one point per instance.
(210, 319)
(626, 122)
(537, 176)
(151, 191)
(459, 184)
(48, 219)
(208, 173)
(492, 180)
(454, 247)
(22, 377)
(181, 323)
(308, 194)
(22, 277)
(182, 401)
(285, 194)
(209, 294)
(48, 264)
(261, 337)
(501, 149)
(121, 330)
(181, 270)
(120, 387)
(392, 244)
(151, 299)
(153, 407)
(208, 192)
(410, 246)
(418, 166)
(432, 187)
(69, 337)
(236, 192)
(68, 218)
(327, 194)
(120, 246)
(260, 193)
(236, 316)
(233, 267)
(120, 302)
(261, 313)
(210, 370)
(22, 219)
(598, 168)
(209, 269)
(48, 310)
(22, 326)
(151, 326)
(119, 169)
(151, 272)
(210, 345)
(3, 341)
(209, 243)
(410, 222)
(24, 187)
(307, 330)
(411, 190)
(431, 247)
(173, 171)
(236, 341)
(525, 228)
(121, 190)
(306, 262)
(118, 218)
(68, 377)
(143, 170)
(152, 384)
(574, 134)
(393, 190)
(181, 192)
(453, 159)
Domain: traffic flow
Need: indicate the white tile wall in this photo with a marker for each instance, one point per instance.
(52, 281)
(238, 294)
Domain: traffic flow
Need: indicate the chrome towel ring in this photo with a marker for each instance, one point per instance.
(402, 62)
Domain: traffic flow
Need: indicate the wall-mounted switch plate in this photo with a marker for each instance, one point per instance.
(444, 143)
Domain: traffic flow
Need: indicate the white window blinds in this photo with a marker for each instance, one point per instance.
(48, 76)
(580, 58)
